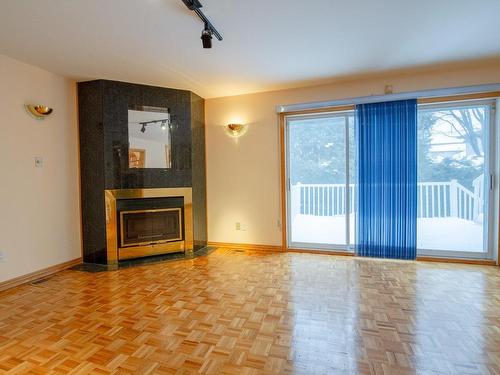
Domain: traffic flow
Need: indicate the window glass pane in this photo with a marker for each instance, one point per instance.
(317, 172)
(352, 181)
(451, 178)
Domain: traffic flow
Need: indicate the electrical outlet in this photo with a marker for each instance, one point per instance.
(2, 257)
(237, 225)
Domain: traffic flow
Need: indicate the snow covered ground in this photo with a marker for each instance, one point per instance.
(432, 234)
(449, 233)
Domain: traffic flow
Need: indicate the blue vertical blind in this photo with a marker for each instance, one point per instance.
(387, 179)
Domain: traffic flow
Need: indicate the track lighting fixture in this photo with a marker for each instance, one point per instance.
(163, 122)
(209, 30)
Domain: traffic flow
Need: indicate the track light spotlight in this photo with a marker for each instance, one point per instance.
(206, 38)
(143, 129)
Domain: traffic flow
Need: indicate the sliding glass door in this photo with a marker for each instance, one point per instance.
(320, 193)
(454, 179)
(455, 146)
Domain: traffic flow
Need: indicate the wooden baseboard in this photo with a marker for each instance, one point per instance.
(30, 277)
(241, 246)
(319, 251)
(481, 262)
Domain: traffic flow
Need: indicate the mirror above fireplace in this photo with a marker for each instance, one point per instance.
(149, 136)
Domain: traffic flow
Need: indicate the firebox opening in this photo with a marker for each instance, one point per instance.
(145, 227)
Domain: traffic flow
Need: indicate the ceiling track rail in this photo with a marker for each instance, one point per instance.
(196, 6)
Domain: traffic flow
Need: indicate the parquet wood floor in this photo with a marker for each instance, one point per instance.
(257, 313)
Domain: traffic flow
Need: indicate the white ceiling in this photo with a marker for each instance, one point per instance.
(268, 44)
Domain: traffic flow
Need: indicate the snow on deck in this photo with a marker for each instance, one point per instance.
(432, 233)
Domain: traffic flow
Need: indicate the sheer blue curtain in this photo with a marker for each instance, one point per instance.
(387, 179)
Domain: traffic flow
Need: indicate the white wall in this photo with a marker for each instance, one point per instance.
(243, 175)
(39, 207)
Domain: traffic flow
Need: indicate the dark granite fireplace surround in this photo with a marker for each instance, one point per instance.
(103, 125)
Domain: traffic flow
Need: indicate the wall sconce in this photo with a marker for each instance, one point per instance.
(236, 130)
(38, 111)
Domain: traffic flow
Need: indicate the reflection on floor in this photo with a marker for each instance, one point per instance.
(251, 313)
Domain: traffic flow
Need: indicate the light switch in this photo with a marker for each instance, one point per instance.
(38, 162)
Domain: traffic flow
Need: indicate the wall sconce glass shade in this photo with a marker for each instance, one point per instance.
(235, 130)
(38, 111)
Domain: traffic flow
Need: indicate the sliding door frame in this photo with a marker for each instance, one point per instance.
(457, 98)
(284, 177)
(489, 172)
(348, 247)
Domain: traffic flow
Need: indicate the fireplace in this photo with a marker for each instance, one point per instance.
(145, 227)
(145, 222)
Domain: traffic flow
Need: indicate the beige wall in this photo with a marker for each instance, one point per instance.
(243, 176)
(39, 217)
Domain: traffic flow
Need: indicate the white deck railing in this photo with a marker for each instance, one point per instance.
(435, 199)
